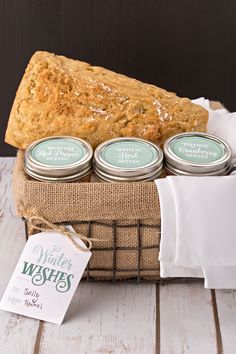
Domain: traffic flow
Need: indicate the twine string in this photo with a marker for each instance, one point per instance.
(35, 220)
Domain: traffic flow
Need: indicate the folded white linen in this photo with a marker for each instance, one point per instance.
(199, 218)
(198, 228)
(220, 277)
(168, 235)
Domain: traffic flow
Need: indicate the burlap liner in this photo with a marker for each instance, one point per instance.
(83, 201)
(126, 203)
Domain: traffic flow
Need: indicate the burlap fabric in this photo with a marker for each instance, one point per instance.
(122, 203)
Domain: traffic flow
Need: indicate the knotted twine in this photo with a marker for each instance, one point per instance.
(33, 222)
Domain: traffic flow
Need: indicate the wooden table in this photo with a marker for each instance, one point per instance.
(120, 318)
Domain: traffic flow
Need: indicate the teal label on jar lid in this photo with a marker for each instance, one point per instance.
(58, 152)
(129, 154)
(197, 149)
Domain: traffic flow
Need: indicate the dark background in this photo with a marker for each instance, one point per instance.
(186, 46)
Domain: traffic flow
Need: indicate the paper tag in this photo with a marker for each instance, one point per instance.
(46, 277)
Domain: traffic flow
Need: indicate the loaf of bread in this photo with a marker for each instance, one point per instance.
(61, 96)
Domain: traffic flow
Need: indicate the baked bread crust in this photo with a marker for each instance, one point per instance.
(61, 96)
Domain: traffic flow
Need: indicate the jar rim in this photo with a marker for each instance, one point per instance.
(67, 178)
(115, 178)
(178, 172)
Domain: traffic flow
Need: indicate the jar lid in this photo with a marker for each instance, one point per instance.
(126, 159)
(58, 158)
(197, 154)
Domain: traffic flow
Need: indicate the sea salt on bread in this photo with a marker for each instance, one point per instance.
(61, 96)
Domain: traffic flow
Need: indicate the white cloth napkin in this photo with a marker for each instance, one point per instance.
(221, 123)
(199, 218)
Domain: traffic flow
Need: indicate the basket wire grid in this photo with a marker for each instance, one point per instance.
(114, 226)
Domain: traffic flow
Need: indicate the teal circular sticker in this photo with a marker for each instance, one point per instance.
(198, 150)
(129, 154)
(58, 152)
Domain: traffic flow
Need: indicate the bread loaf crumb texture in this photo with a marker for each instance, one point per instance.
(61, 96)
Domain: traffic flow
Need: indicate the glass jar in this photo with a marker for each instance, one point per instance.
(127, 159)
(197, 154)
(59, 159)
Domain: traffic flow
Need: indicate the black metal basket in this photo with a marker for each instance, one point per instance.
(114, 226)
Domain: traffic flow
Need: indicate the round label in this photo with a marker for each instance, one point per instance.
(196, 149)
(58, 152)
(129, 154)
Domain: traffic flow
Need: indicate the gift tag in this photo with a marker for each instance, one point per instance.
(46, 277)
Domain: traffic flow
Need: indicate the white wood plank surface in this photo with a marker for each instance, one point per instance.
(105, 318)
(186, 320)
(17, 333)
(226, 304)
(6, 202)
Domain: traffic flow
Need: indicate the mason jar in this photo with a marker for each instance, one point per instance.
(128, 159)
(197, 154)
(59, 159)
